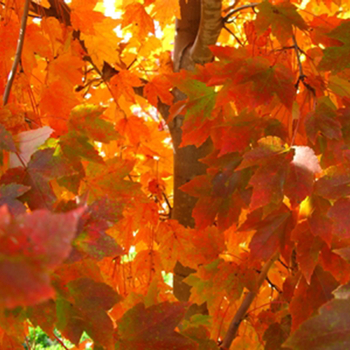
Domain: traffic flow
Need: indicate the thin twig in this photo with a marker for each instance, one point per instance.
(302, 76)
(247, 6)
(233, 34)
(60, 341)
(18, 52)
(243, 309)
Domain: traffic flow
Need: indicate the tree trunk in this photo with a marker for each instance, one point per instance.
(191, 46)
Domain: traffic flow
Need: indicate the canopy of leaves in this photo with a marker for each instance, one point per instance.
(87, 240)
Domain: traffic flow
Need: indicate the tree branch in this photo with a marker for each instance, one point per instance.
(241, 312)
(302, 76)
(243, 7)
(18, 52)
(208, 32)
(58, 9)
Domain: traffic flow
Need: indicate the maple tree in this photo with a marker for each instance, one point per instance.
(205, 140)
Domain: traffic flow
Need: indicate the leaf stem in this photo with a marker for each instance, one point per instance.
(243, 309)
(18, 52)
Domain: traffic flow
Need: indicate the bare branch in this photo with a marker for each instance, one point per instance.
(233, 34)
(58, 9)
(18, 52)
(238, 9)
(208, 32)
(302, 76)
(242, 311)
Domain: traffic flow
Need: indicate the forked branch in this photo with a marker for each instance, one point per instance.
(243, 309)
(238, 9)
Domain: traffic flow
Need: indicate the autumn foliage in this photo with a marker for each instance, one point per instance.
(87, 239)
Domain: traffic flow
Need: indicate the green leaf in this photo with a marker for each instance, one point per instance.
(335, 58)
(74, 145)
(86, 120)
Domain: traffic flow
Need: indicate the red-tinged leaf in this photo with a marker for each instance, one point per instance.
(334, 57)
(257, 82)
(205, 211)
(330, 329)
(105, 211)
(27, 143)
(309, 297)
(41, 235)
(336, 265)
(123, 84)
(320, 224)
(271, 233)
(199, 186)
(76, 146)
(88, 313)
(344, 253)
(96, 244)
(334, 184)
(7, 142)
(86, 120)
(136, 15)
(323, 121)
(339, 213)
(222, 195)
(23, 283)
(88, 293)
(282, 17)
(268, 182)
(252, 36)
(308, 249)
(70, 322)
(44, 316)
(201, 336)
(268, 147)
(9, 194)
(321, 26)
(49, 166)
(276, 334)
(235, 135)
(158, 88)
(42, 168)
(195, 132)
(31, 245)
(153, 327)
(298, 184)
